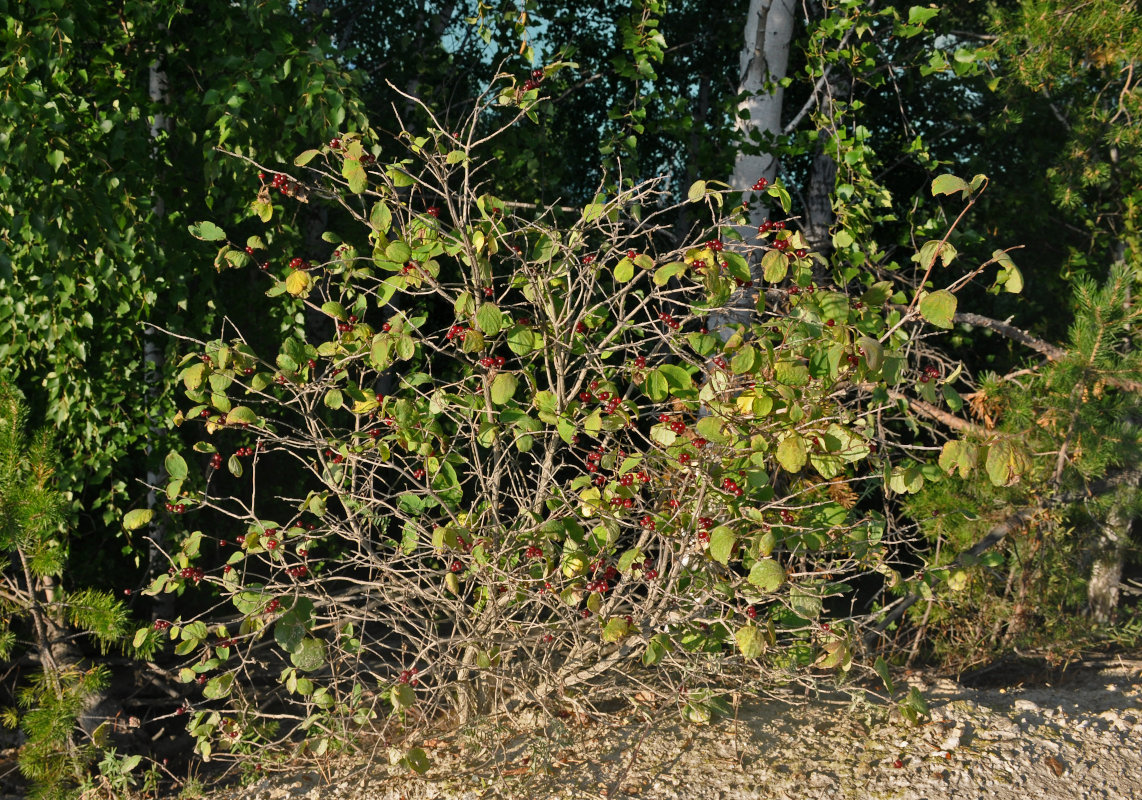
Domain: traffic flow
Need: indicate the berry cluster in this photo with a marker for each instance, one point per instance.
(931, 373)
(761, 185)
(731, 486)
(456, 331)
(648, 571)
(488, 361)
(676, 425)
(715, 245)
(242, 452)
(273, 606)
(533, 551)
(161, 625)
(770, 225)
(297, 262)
(671, 323)
(335, 457)
(283, 183)
(342, 327)
(299, 571)
(433, 211)
(456, 566)
(192, 573)
(534, 81)
(410, 266)
(176, 508)
(408, 676)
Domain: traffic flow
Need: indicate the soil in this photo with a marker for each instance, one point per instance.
(1018, 729)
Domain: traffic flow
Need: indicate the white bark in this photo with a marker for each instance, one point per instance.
(764, 62)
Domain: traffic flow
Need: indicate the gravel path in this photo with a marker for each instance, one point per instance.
(1016, 735)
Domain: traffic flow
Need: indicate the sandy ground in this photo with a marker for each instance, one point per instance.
(1018, 731)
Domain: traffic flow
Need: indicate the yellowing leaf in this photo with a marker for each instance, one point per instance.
(949, 184)
(298, 282)
(791, 453)
(137, 518)
(750, 642)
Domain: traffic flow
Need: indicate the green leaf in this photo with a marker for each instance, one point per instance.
(791, 453)
(767, 575)
(335, 310)
(398, 252)
(658, 646)
(503, 388)
(334, 399)
(309, 655)
(774, 266)
(417, 760)
(696, 192)
(402, 696)
(906, 480)
(722, 541)
(881, 667)
(1009, 276)
(175, 466)
(218, 686)
(206, 231)
(381, 219)
(241, 415)
(137, 518)
(791, 373)
(750, 641)
(655, 386)
(873, 352)
(615, 629)
(663, 274)
(522, 340)
(1005, 463)
(624, 270)
(949, 184)
(939, 308)
(305, 158)
(354, 172)
(56, 159)
(677, 379)
(805, 605)
(490, 318)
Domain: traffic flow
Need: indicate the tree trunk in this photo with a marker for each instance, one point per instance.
(1105, 582)
(764, 62)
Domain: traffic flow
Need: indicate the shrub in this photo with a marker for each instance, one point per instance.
(537, 454)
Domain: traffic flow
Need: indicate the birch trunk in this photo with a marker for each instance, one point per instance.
(764, 62)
